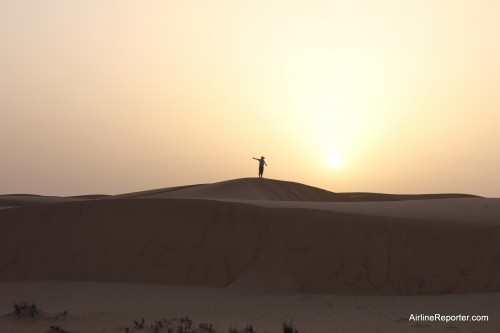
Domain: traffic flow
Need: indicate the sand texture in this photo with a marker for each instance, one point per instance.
(111, 307)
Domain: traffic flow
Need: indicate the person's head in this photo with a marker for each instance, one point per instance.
(263, 157)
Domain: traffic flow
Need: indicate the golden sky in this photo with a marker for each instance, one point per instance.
(115, 96)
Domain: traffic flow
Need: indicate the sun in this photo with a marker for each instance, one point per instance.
(334, 162)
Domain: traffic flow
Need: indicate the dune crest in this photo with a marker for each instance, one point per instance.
(273, 190)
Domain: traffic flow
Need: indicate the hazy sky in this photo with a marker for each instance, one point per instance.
(116, 96)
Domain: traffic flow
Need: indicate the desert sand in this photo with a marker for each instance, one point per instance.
(111, 307)
(253, 251)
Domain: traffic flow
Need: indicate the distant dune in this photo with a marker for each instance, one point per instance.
(269, 245)
(90, 196)
(19, 200)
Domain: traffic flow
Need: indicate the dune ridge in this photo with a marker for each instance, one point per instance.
(234, 189)
(231, 244)
(275, 190)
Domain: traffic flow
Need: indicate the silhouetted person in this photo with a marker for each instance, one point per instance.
(261, 165)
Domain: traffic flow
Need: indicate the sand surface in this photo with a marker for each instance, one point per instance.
(110, 307)
(252, 251)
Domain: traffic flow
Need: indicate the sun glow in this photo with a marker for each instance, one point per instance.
(334, 162)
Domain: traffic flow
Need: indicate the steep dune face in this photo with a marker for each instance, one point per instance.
(272, 190)
(202, 242)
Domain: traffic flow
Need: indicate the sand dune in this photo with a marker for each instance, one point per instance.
(214, 243)
(245, 188)
(332, 262)
(236, 189)
(273, 190)
(146, 193)
(90, 196)
(20, 200)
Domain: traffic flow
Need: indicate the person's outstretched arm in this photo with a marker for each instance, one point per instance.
(255, 158)
(265, 163)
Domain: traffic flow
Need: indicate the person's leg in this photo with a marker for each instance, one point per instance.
(261, 171)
